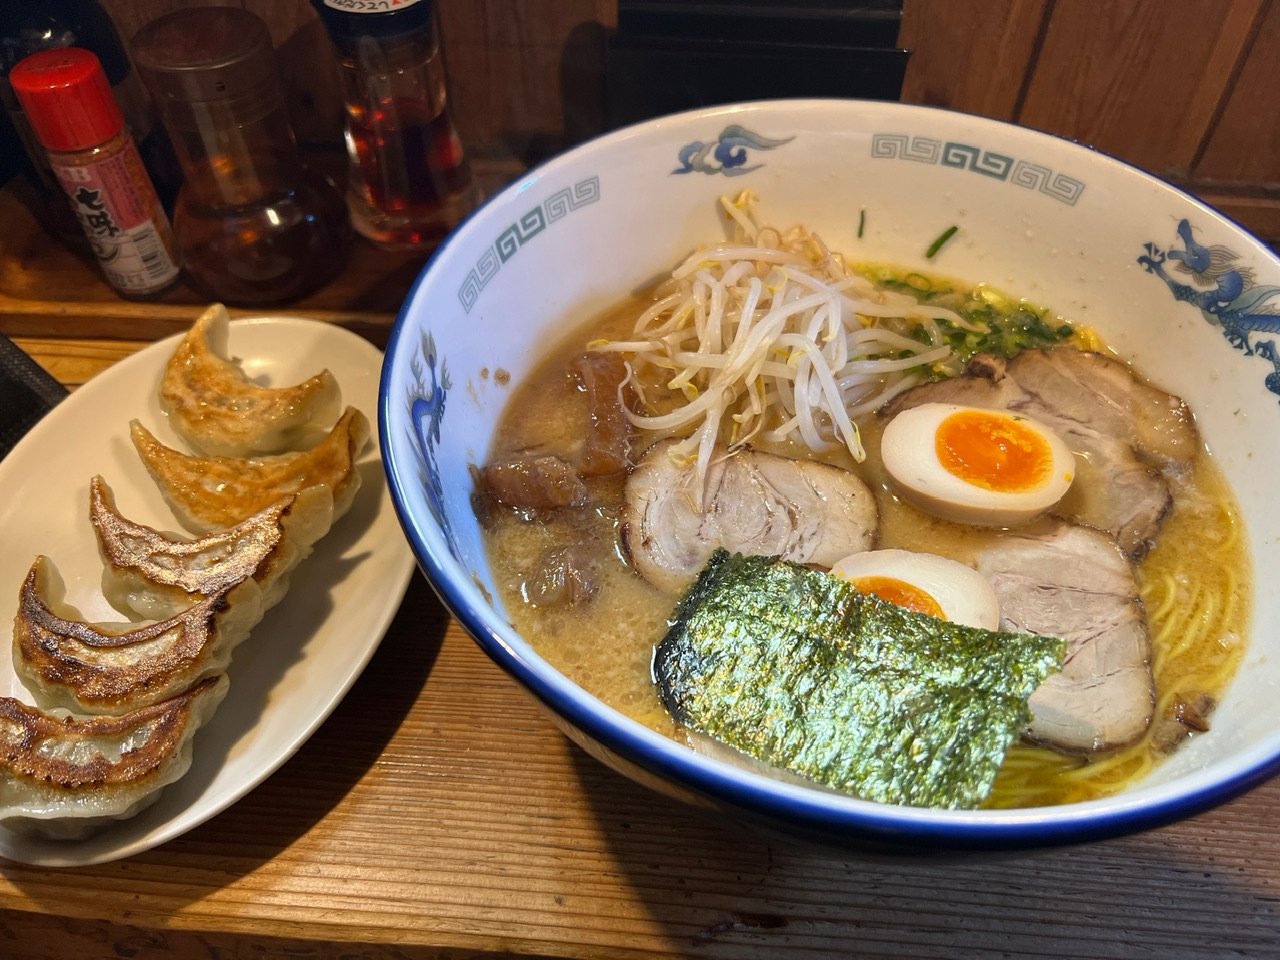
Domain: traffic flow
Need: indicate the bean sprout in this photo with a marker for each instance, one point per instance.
(770, 335)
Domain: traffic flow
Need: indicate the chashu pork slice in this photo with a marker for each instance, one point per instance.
(754, 503)
(1126, 434)
(1074, 582)
(1085, 386)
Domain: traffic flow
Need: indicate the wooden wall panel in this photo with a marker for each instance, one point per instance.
(1181, 87)
(1141, 79)
(1245, 144)
(525, 76)
(970, 56)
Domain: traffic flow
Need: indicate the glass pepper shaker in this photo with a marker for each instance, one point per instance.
(254, 225)
(409, 182)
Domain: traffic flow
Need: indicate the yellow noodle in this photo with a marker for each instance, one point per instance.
(1197, 607)
(1195, 584)
(1166, 601)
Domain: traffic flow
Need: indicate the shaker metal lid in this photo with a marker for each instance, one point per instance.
(204, 54)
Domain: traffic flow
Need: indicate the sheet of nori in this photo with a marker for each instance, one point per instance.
(798, 669)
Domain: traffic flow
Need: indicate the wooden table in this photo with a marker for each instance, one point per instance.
(438, 813)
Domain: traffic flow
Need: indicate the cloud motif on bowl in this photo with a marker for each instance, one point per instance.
(425, 401)
(727, 154)
(1224, 293)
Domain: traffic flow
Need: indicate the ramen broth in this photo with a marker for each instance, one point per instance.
(1195, 583)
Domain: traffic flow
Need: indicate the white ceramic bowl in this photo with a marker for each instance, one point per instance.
(1039, 217)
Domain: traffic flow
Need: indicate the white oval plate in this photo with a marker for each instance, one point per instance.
(299, 660)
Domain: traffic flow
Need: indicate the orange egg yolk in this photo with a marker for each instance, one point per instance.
(994, 451)
(900, 592)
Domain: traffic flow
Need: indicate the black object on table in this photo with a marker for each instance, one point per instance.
(27, 393)
(672, 55)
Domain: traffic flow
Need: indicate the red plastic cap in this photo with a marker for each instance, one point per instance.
(67, 99)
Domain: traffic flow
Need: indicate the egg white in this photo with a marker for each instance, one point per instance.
(962, 593)
(909, 454)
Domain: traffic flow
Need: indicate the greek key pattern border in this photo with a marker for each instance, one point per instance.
(514, 237)
(988, 163)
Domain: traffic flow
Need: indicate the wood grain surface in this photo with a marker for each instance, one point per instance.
(971, 57)
(1245, 143)
(1180, 88)
(1113, 55)
(438, 813)
(437, 809)
(51, 289)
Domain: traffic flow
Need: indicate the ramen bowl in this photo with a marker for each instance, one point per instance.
(1179, 290)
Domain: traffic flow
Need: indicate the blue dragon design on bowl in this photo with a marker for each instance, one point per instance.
(425, 400)
(1224, 292)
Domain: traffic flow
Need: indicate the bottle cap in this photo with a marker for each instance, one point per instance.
(349, 20)
(67, 99)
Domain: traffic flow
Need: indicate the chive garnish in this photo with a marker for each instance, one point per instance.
(862, 221)
(946, 235)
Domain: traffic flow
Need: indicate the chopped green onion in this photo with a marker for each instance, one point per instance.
(862, 221)
(946, 235)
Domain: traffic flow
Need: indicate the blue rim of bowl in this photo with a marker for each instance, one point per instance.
(793, 809)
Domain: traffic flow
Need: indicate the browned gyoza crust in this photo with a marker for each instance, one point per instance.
(220, 412)
(25, 730)
(160, 572)
(98, 670)
(208, 493)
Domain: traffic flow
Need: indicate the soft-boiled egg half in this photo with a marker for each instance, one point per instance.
(925, 583)
(989, 467)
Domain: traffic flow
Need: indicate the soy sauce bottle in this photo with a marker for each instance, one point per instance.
(409, 181)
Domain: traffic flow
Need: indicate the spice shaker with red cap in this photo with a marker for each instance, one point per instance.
(27, 28)
(75, 117)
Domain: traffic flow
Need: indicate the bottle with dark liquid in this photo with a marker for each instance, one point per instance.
(409, 181)
(255, 226)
